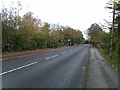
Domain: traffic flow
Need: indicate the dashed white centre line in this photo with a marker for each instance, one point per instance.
(18, 68)
(52, 57)
(48, 58)
(63, 53)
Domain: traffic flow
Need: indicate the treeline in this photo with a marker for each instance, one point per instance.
(102, 40)
(29, 33)
(99, 38)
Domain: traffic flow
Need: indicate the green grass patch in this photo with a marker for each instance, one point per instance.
(114, 61)
(104, 53)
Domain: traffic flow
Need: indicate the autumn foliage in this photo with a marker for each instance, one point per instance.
(29, 33)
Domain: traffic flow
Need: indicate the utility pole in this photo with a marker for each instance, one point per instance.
(119, 40)
(112, 33)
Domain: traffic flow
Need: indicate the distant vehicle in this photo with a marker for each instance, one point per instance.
(86, 42)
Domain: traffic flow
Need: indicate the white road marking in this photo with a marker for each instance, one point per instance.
(48, 58)
(63, 53)
(52, 57)
(18, 68)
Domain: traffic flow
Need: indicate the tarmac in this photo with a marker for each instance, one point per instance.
(100, 73)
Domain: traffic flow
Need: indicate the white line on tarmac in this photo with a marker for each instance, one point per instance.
(63, 53)
(48, 58)
(52, 57)
(18, 68)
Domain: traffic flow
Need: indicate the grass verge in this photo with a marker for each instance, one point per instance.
(114, 61)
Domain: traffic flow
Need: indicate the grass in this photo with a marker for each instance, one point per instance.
(104, 53)
(114, 61)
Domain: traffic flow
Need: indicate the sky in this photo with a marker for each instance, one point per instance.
(78, 14)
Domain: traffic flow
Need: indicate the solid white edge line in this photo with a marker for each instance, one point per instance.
(18, 68)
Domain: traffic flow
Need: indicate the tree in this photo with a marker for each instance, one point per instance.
(115, 6)
(10, 23)
(28, 33)
(95, 34)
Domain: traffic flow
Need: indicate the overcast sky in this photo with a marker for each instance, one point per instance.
(78, 14)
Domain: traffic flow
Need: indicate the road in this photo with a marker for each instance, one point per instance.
(57, 69)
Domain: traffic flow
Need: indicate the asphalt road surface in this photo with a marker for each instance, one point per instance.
(57, 69)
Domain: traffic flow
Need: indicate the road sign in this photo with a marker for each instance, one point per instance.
(68, 39)
(116, 26)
